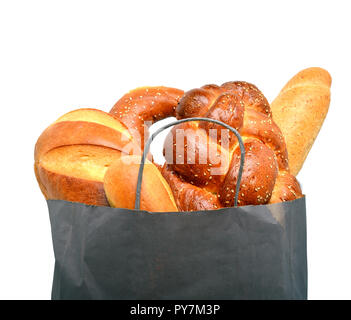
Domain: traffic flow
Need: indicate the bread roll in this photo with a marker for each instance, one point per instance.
(73, 154)
(299, 111)
(120, 184)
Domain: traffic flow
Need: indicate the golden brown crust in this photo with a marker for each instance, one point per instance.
(250, 96)
(80, 132)
(120, 183)
(41, 186)
(313, 76)
(73, 153)
(286, 188)
(187, 196)
(261, 127)
(299, 110)
(78, 158)
(243, 106)
(62, 187)
(259, 175)
(228, 109)
(192, 160)
(145, 104)
(195, 102)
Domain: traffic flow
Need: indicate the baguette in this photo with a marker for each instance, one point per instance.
(299, 110)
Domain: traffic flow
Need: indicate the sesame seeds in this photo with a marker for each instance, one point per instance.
(260, 128)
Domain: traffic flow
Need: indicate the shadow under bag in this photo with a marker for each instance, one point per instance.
(248, 252)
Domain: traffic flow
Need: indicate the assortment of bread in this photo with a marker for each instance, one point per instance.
(92, 157)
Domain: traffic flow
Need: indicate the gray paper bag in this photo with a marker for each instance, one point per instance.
(249, 252)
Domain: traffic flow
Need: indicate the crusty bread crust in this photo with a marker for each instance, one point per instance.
(73, 154)
(242, 106)
(120, 184)
(299, 110)
(144, 106)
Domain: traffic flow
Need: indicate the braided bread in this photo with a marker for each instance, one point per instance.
(200, 178)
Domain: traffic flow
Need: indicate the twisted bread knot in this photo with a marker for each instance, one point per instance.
(202, 167)
(141, 107)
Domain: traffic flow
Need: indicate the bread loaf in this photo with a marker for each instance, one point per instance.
(299, 110)
(73, 154)
(120, 184)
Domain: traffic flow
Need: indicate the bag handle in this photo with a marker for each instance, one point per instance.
(147, 148)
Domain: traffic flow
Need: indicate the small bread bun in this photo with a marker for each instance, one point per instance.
(120, 184)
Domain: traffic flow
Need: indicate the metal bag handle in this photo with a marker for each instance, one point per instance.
(147, 148)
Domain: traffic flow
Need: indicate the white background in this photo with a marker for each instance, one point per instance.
(56, 56)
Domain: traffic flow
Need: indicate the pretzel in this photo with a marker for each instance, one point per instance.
(143, 106)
